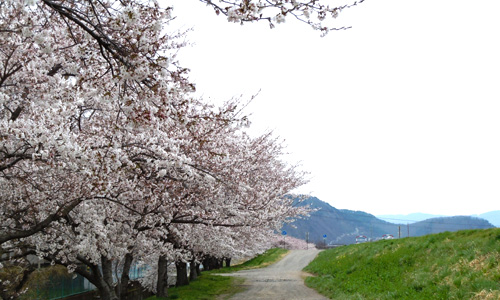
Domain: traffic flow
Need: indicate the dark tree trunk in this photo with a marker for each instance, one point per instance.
(193, 273)
(206, 264)
(219, 263)
(124, 280)
(101, 278)
(213, 263)
(182, 277)
(228, 261)
(197, 268)
(107, 292)
(162, 282)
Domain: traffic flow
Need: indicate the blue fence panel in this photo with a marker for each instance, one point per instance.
(63, 286)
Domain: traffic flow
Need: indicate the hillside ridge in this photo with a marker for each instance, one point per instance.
(342, 226)
(492, 216)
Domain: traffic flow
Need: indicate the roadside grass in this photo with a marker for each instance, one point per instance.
(260, 261)
(450, 265)
(210, 286)
(206, 287)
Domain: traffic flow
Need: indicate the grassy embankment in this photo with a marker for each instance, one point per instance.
(209, 286)
(458, 265)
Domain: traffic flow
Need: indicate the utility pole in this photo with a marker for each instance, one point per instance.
(399, 235)
(284, 234)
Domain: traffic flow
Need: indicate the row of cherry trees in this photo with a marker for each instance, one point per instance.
(107, 159)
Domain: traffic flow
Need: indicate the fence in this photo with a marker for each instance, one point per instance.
(62, 286)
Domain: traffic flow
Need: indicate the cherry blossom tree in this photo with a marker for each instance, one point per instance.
(289, 242)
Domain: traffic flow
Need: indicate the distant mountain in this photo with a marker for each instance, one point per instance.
(342, 226)
(493, 217)
(411, 218)
(436, 225)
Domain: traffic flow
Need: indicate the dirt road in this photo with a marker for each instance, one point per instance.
(281, 281)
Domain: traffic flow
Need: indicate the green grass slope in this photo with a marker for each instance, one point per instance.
(458, 265)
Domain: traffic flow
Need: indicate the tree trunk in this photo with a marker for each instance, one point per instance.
(101, 278)
(219, 263)
(182, 278)
(162, 282)
(124, 280)
(212, 263)
(228, 261)
(206, 264)
(107, 292)
(198, 271)
(193, 273)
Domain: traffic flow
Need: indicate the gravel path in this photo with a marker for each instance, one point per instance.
(280, 281)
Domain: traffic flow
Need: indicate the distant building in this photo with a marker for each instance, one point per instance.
(387, 237)
(361, 239)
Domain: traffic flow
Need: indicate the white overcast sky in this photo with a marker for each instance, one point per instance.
(399, 114)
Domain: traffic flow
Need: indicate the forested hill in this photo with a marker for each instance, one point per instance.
(436, 225)
(342, 226)
(492, 216)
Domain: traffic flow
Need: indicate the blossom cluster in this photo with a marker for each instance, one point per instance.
(315, 13)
